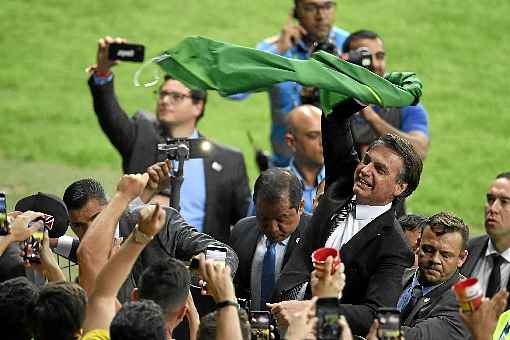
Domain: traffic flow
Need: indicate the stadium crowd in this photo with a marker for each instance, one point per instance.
(320, 248)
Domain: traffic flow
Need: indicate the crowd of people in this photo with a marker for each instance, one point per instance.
(185, 249)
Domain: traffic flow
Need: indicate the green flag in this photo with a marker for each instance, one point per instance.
(202, 63)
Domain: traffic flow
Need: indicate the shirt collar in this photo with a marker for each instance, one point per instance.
(195, 134)
(281, 243)
(492, 250)
(425, 289)
(366, 212)
(320, 176)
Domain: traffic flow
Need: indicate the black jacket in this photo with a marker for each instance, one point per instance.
(375, 258)
(436, 314)
(244, 238)
(226, 180)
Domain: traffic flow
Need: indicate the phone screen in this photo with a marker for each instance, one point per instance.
(216, 253)
(260, 321)
(4, 226)
(389, 323)
(327, 319)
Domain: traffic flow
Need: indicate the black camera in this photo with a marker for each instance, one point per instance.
(127, 52)
(260, 322)
(360, 56)
(328, 315)
(185, 148)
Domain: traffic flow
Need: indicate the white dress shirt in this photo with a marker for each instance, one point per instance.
(483, 267)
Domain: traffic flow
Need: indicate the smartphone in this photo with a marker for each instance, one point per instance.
(32, 246)
(216, 253)
(327, 319)
(260, 325)
(127, 52)
(4, 224)
(389, 323)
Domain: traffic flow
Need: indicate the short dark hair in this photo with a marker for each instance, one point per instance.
(207, 328)
(167, 283)
(80, 192)
(274, 184)
(196, 95)
(444, 222)
(16, 300)
(59, 311)
(358, 35)
(413, 164)
(138, 320)
(505, 174)
(411, 222)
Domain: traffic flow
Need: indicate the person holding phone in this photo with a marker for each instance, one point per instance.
(310, 23)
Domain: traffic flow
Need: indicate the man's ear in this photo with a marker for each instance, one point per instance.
(134, 295)
(291, 141)
(400, 187)
(301, 208)
(462, 258)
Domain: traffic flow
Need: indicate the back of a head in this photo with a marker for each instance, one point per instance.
(167, 283)
(138, 320)
(411, 222)
(207, 328)
(444, 222)
(59, 311)
(80, 192)
(276, 183)
(16, 299)
(413, 163)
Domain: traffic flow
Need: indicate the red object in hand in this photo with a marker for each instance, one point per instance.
(320, 255)
(469, 294)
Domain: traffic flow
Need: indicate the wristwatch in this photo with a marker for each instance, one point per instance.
(226, 303)
(140, 237)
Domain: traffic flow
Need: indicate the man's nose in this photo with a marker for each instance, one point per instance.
(494, 206)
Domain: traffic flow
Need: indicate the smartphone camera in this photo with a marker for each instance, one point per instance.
(389, 324)
(4, 224)
(327, 319)
(32, 246)
(126, 52)
(260, 325)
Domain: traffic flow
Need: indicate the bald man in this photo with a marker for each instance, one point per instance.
(305, 142)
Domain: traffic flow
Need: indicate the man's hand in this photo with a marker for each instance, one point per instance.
(193, 317)
(19, 229)
(218, 279)
(132, 186)
(283, 311)
(48, 266)
(291, 34)
(327, 285)
(104, 64)
(482, 322)
(152, 219)
(302, 324)
(159, 179)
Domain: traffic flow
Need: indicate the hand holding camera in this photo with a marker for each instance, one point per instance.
(159, 179)
(132, 186)
(25, 225)
(218, 278)
(111, 50)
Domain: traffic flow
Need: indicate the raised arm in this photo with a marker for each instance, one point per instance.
(101, 307)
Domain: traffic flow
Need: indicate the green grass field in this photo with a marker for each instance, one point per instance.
(50, 136)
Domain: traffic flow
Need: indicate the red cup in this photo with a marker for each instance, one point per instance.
(469, 294)
(320, 255)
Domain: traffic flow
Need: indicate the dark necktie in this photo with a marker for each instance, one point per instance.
(495, 278)
(267, 280)
(339, 218)
(416, 294)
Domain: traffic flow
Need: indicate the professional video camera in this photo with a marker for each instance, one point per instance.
(360, 56)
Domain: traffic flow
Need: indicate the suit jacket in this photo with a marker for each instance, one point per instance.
(244, 238)
(226, 180)
(436, 314)
(375, 258)
(476, 249)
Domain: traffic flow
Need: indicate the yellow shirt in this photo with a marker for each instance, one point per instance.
(97, 334)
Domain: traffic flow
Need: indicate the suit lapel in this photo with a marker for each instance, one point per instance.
(476, 250)
(295, 238)
(210, 184)
(249, 243)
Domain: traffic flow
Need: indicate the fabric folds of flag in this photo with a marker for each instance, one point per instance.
(202, 63)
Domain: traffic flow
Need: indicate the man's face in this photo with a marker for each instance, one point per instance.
(439, 256)
(376, 48)
(305, 140)
(316, 17)
(376, 177)
(497, 209)
(81, 219)
(277, 220)
(175, 106)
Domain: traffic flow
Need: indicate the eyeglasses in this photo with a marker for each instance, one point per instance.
(175, 97)
(316, 8)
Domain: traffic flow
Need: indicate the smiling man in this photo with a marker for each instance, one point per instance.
(356, 216)
(428, 307)
(489, 255)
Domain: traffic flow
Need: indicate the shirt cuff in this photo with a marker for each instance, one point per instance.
(102, 80)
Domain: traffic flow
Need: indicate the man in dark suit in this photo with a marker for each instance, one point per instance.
(215, 193)
(429, 309)
(265, 242)
(489, 255)
(371, 243)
